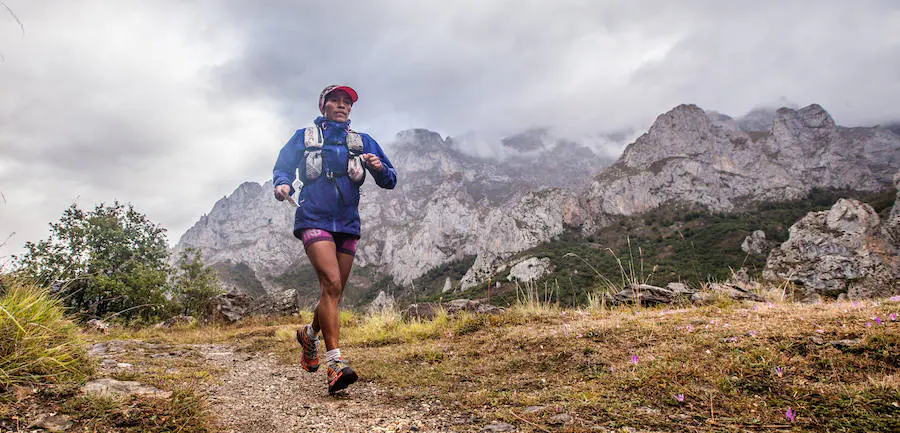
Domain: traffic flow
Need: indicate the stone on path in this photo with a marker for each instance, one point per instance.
(107, 387)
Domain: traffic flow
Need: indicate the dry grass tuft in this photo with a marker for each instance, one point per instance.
(37, 343)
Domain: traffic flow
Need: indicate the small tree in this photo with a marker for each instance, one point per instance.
(195, 283)
(109, 261)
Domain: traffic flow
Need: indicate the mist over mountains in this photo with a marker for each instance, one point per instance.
(451, 206)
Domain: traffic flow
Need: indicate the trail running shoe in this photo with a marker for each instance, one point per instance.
(309, 360)
(340, 375)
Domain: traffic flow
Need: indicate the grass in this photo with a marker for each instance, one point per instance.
(725, 367)
(43, 364)
(37, 343)
(626, 367)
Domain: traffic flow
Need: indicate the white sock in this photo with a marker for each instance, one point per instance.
(332, 355)
(311, 333)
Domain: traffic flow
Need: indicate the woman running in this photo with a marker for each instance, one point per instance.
(332, 161)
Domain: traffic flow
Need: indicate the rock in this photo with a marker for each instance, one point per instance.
(846, 344)
(497, 426)
(716, 291)
(892, 225)
(180, 320)
(230, 307)
(838, 251)
(458, 305)
(561, 419)
(423, 311)
(534, 409)
(680, 289)
(52, 422)
(756, 244)
(382, 303)
(707, 160)
(96, 325)
(448, 286)
(530, 269)
(649, 295)
(428, 310)
(488, 309)
(107, 387)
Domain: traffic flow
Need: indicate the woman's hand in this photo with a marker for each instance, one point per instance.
(282, 192)
(372, 161)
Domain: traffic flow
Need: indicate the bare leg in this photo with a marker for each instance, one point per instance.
(333, 270)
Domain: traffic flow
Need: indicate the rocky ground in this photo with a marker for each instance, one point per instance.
(254, 392)
(257, 394)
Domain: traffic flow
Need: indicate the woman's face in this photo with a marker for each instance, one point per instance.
(337, 106)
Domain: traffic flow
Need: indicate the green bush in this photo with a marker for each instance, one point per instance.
(37, 343)
(196, 285)
(110, 261)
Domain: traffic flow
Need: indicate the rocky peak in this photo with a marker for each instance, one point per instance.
(706, 159)
(420, 139)
(682, 132)
(808, 130)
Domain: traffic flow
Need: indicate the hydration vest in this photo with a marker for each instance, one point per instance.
(313, 141)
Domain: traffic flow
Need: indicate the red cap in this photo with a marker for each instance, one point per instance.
(353, 95)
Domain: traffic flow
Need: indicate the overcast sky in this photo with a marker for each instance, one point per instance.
(171, 105)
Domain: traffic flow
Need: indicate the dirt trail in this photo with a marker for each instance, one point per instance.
(259, 395)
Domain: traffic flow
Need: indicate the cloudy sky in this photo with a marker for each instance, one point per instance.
(171, 105)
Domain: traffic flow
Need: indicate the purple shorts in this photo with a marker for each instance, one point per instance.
(345, 243)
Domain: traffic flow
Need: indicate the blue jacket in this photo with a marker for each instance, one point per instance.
(329, 204)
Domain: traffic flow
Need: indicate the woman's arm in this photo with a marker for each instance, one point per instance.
(288, 159)
(387, 176)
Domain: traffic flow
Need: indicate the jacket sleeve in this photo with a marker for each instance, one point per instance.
(387, 177)
(288, 160)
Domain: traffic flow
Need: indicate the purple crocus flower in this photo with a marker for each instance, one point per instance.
(790, 414)
(779, 371)
(893, 317)
(679, 397)
(868, 324)
(634, 359)
(878, 320)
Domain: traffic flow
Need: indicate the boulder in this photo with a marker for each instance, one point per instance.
(423, 311)
(840, 251)
(180, 320)
(530, 269)
(728, 290)
(428, 310)
(230, 307)
(650, 295)
(756, 244)
(892, 225)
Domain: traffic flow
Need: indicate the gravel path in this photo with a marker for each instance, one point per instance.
(259, 395)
